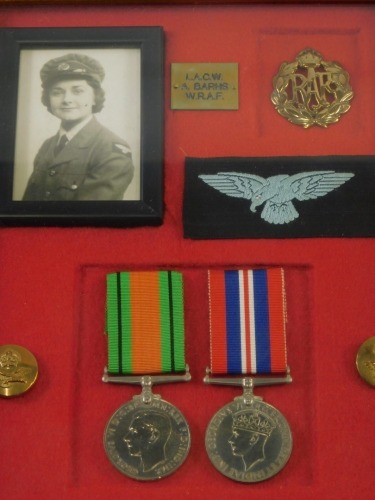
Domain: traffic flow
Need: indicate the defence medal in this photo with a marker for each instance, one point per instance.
(310, 91)
(248, 440)
(146, 438)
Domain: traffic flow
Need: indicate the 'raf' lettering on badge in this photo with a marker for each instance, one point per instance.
(310, 91)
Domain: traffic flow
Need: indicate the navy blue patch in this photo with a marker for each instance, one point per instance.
(281, 197)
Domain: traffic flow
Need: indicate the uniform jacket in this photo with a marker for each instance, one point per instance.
(94, 165)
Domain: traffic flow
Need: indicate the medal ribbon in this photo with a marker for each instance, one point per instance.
(247, 321)
(145, 322)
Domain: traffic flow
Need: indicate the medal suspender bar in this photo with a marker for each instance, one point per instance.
(147, 438)
(248, 440)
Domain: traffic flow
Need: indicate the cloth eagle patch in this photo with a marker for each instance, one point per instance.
(279, 197)
(278, 191)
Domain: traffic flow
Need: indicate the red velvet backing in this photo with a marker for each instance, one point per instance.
(52, 288)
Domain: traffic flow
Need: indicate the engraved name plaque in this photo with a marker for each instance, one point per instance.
(204, 86)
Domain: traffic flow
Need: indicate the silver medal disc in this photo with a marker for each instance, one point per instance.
(248, 442)
(147, 441)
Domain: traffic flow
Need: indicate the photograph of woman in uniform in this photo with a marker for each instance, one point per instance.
(82, 159)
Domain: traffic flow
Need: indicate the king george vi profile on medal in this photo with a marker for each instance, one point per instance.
(84, 160)
(147, 438)
(250, 433)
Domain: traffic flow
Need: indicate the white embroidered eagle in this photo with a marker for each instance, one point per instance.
(278, 191)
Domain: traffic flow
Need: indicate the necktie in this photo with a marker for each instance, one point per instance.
(61, 144)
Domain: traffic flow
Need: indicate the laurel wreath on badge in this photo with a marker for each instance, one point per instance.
(310, 91)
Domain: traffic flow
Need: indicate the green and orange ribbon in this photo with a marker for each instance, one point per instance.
(145, 322)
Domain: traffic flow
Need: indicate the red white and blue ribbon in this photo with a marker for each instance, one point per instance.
(247, 321)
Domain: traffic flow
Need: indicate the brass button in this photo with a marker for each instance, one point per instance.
(366, 361)
(18, 370)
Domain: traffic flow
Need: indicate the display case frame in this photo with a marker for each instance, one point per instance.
(53, 279)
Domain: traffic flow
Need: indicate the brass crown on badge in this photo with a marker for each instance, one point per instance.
(310, 91)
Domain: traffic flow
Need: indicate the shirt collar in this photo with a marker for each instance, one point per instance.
(74, 131)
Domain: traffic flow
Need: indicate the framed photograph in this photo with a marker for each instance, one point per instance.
(81, 126)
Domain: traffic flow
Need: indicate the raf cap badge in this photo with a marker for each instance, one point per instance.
(310, 91)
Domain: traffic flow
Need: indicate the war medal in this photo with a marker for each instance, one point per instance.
(310, 91)
(18, 370)
(146, 438)
(248, 440)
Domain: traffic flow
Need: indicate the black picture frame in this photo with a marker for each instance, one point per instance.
(147, 209)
